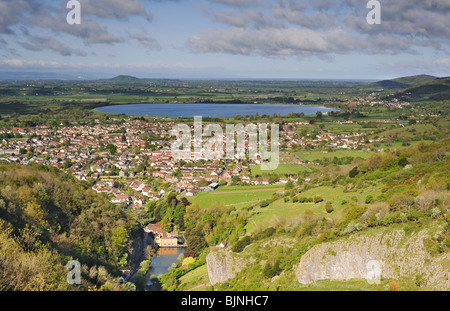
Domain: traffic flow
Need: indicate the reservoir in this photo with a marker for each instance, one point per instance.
(210, 110)
(164, 259)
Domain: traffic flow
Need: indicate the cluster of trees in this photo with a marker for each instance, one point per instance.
(169, 211)
(210, 226)
(9, 136)
(54, 219)
(315, 199)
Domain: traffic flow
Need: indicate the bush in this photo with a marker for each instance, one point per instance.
(393, 286)
(352, 227)
(373, 222)
(353, 213)
(264, 234)
(329, 207)
(241, 244)
(353, 172)
(187, 261)
(270, 271)
(414, 215)
(388, 219)
(435, 212)
(304, 200)
(264, 204)
(369, 199)
(403, 162)
(401, 202)
(317, 199)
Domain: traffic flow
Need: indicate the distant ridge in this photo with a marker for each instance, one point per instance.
(402, 83)
(125, 78)
(129, 80)
(122, 79)
(415, 88)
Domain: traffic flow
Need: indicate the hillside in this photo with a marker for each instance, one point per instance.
(393, 207)
(414, 88)
(437, 89)
(402, 83)
(47, 219)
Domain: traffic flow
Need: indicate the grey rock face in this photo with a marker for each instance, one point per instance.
(223, 265)
(390, 255)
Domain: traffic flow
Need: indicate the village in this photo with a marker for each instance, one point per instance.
(131, 161)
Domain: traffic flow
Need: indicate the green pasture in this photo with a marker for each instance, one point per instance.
(239, 197)
(288, 213)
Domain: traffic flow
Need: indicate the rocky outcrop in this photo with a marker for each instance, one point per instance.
(223, 265)
(392, 255)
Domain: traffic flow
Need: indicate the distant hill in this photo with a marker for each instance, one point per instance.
(402, 83)
(130, 80)
(437, 89)
(122, 79)
(125, 78)
(415, 88)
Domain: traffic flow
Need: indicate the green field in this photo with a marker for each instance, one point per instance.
(240, 196)
(196, 279)
(282, 169)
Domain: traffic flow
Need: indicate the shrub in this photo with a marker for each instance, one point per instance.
(369, 199)
(435, 212)
(187, 261)
(323, 236)
(401, 202)
(388, 219)
(353, 172)
(264, 234)
(304, 200)
(373, 221)
(264, 204)
(329, 207)
(317, 199)
(353, 213)
(190, 253)
(414, 215)
(403, 162)
(393, 286)
(241, 244)
(270, 271)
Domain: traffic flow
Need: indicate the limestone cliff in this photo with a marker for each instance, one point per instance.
(394, 254)
(223, 265)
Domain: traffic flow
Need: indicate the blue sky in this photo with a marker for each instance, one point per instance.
(267, 39)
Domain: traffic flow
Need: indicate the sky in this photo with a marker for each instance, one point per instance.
(226, 39)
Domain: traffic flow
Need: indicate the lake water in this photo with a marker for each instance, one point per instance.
(210, 110)
(164, 259)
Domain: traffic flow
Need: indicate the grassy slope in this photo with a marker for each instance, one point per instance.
(241, 196)
(287, 214)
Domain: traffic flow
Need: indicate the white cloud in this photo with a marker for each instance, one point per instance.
(326, 27)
